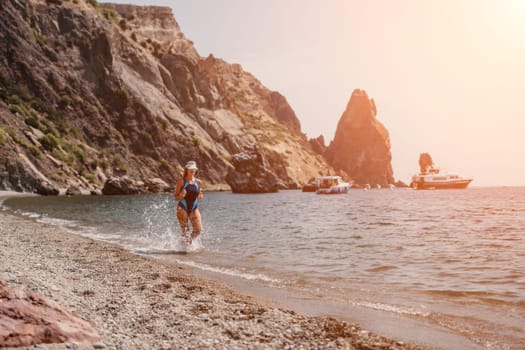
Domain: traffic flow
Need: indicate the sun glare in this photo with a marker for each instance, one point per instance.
(513, 15)
(504, 22)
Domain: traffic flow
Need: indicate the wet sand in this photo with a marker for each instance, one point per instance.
(137, 302)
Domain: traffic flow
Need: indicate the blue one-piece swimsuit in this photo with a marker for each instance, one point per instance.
(190, 202)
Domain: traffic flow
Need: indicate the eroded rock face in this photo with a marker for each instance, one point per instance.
(157, 185)
(15, 176)
(46, 189)
(283, 112)
(252, 173)
(361, 146)
(122, 185)
(27, 318)
(318, 144)
(113, 90)
(73, 191)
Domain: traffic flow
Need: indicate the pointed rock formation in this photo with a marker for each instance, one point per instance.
(361, 146)
(318, 144)
(425, 162)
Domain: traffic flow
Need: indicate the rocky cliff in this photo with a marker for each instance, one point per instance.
(361, 146)
(89, 91)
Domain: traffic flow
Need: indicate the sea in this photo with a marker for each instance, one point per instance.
(444, 268)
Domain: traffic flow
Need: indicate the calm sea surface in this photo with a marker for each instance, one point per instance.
(452, 258)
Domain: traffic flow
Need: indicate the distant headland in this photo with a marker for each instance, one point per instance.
(105, 94)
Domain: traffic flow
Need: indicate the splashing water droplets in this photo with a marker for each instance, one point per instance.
(161, 229)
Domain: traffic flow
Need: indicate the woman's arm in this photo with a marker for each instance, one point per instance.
(201, 194)
(179, 192)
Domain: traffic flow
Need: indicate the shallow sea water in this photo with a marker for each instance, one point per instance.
(451, 258)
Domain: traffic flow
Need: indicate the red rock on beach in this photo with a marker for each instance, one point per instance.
(27, 318)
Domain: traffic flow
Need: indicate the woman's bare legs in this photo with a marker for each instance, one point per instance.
(182, 216)
(196, 223)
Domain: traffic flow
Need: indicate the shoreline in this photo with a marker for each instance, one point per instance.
(141, 302)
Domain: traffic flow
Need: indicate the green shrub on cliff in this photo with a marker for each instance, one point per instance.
(93, 3)
(46, 128)
(14, 94)
(3, 87)
(34, 151)
(78, 152)
(14, 100)
(39, 37)
(23, 92)
(93, 164)
(163, 124)
(77, 133)
(122, 24)
(104, 163)
(90, 177)
(49, 142)
(110, 15)
(12, 134)
(146, 139)
(20, 109)
(33, 121)
(165, 165)
(67, 158)
(64, 101)
(118, 164)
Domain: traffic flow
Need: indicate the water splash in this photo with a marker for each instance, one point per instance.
(162, 233)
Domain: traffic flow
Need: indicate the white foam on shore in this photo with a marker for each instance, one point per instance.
(229, 272)
(53, 221)
(171, 246)
(390, 308)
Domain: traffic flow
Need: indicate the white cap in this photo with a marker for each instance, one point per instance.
(191, 165)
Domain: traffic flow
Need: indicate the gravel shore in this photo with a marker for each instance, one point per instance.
(137, 302)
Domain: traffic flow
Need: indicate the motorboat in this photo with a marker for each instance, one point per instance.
(433, 178)
(331, 185)
(311, 186)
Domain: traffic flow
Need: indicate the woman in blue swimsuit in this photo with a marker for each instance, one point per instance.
(188, 192)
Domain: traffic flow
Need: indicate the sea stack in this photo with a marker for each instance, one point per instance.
(361, 146)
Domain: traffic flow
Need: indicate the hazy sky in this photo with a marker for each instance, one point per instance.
(447, 76)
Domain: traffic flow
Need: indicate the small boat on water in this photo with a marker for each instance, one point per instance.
(434, 179)
(331, 185)
(311, 186)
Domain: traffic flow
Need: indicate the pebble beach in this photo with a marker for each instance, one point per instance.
(137, 302)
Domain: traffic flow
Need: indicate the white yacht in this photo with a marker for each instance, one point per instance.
(434, 179)
(331, 185)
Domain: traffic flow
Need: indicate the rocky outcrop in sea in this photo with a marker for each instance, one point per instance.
(361, 146)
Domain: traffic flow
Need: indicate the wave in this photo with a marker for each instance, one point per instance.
(382, 268)
(391, 308)
(229, 272)
(55, 221)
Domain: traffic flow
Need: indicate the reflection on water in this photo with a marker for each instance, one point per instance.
(454, 257)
